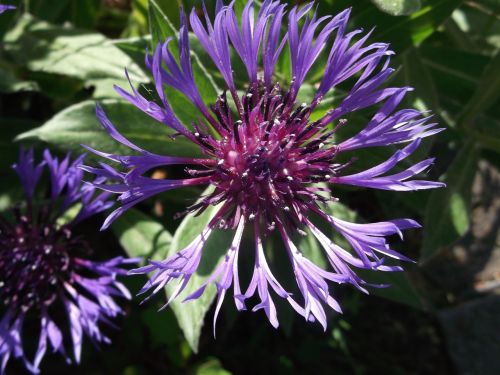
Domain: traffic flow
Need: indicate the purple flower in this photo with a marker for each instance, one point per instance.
(266, 159)
(43, 275)
(4, 8)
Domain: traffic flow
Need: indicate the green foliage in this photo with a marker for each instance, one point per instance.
(142, 236)
(447, 217)
(42, 47)
(398, 7)
(190, 314)
(77, 125)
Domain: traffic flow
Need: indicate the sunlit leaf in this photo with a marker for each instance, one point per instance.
(40, 46)
(190, 315)
(77, 125)
(141, 235)
(398, 7)
(211, 366)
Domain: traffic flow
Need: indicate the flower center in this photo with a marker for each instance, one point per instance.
(267, 156)
(34, 262)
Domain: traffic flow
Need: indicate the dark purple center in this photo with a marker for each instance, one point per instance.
(268, 156)
(34, 261)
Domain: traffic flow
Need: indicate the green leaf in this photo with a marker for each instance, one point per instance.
(77, 125)
(81, 54)
(190, 315)
(487, 93)
(212, 366)
(79, 13)
(161, 27)
(69, 215)
(10, 83)
(404, 32)
(311, 249)
(416, 75)
(400, 288)
(398, 7)
(447, 217)
(137, 24)
(141, 235)
(486, 131)
(135, 47)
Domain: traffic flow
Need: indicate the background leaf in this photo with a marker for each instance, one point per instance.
(42, 47)
(78, 125)
(447, 216)
(142, 236)
(190, 315)
(398, 7)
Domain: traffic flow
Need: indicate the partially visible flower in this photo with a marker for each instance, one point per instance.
(267, 158)
(4, 8)
(45, 276)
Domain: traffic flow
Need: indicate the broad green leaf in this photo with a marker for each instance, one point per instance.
(141, 235)
(190, 315)
(134, 47)
(40, 46)
(398, 7)
(77, 125)
(447, 216)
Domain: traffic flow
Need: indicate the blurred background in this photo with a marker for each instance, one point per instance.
(441, 316)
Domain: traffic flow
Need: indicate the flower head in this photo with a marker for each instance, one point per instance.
(43, 268)
(269, 157)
